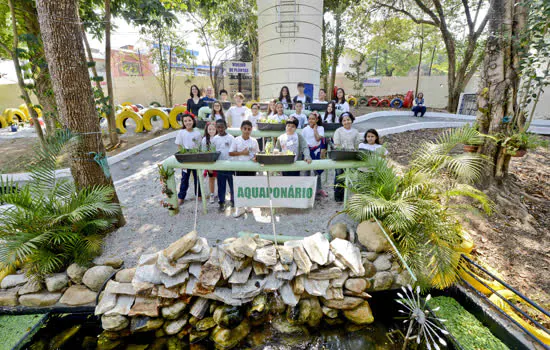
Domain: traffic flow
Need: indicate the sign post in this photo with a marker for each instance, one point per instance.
(285, 191)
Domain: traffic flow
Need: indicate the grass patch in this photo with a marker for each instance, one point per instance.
(468, 330)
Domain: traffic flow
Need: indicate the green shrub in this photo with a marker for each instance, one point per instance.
(50, 223)
(468, 330)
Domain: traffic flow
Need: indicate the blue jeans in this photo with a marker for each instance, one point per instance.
(338, 189)
(225, 177)
(184, 185)
(419, 109)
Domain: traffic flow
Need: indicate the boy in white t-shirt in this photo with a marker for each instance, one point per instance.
(298, 115)
(223, 141)
(236, 114)
(322, 97)
(255, 115)
(244, 148)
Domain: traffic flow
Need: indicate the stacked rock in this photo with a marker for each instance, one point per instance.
(191, 291)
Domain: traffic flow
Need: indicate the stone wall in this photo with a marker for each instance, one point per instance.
(192, 290)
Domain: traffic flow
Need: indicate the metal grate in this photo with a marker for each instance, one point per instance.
(287, 13)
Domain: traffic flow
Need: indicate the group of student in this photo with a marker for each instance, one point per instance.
(308, 145)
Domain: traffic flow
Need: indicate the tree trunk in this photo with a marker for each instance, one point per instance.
(113, 135)
(337, 50)
(170, 101)
(500, 83)
(419, 62)
(254, 75)
(20, 80)
(46, 98)
(73, 92)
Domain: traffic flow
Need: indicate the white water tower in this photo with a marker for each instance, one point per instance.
(290, 38)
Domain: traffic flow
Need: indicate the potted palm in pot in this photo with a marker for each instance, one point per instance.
(519, 143)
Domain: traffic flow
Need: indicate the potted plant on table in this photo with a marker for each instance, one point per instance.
(342, 153)
(517, 144)
(196, 155)
(271, 125)
(272, 156)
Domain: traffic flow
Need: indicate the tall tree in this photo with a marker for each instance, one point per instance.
(113, 135)
(463, 62)
(14, 53)
(71, 83)
(514, 73)
(31, 50)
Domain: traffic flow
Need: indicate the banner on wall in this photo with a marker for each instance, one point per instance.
(372, 82)
(286, 191)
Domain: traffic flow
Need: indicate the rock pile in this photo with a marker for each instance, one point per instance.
(191, 290)
(77, 286)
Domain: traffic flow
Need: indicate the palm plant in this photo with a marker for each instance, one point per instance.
(48, 223)
(418, 207)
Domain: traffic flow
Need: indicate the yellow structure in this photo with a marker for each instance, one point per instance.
(174, 114)
(151, 112)
(3, 122)
(511, 296)
(14, 115)
(128, 113)
(23, 107)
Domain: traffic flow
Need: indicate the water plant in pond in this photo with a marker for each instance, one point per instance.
(49, 223)
(417, 205)
(420, 319)
(465, 328)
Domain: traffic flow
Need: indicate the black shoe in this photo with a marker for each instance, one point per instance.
(221, 208)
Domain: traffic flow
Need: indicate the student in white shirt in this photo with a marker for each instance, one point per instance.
(187, 138)
(279, 115)
(314, 134)
(284, 97)
(371, 143)
(348, 138)
(206, 145)
(294, 142)
(255, 115)
(236, 114)
(341, 103)
(217, 112)
(330, 113)
(322, 97)
(244, 148)
(271, 108)
(223, 141)
(298, 115)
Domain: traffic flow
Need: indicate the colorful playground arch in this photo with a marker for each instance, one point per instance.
(3, 122)
(174, 115)
(128, 113)
(25, 110)
(15, 115)
(152, 112)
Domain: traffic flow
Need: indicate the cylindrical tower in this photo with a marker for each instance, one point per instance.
(289, 36)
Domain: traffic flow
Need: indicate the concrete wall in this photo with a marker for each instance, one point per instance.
(293, 56)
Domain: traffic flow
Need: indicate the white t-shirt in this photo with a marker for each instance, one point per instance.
(277, 117)
(328, 118)
(204, 147)
(239, 144)
(309, 135)
(236, 115)
(188, 140)
(303, 98)
(302, 119)
(223, 144)
(254, 119)
(344, 107)
(372, 148)
(317, 101)
(218, 117)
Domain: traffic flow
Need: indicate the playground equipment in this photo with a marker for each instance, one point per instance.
(173, 117)
(3, 122)
(15, 115)
(408, 101)
(25, 110)
(152, 112)
(128, 113)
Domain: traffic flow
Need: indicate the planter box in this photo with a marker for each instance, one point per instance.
(331, 126)
(271, 127)
(344, 155)
(275, 159)
(210, 157)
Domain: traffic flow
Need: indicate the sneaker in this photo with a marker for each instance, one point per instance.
(322, 193)
(180, 201)
(238, 213)
(212, 198)
(221, 208)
